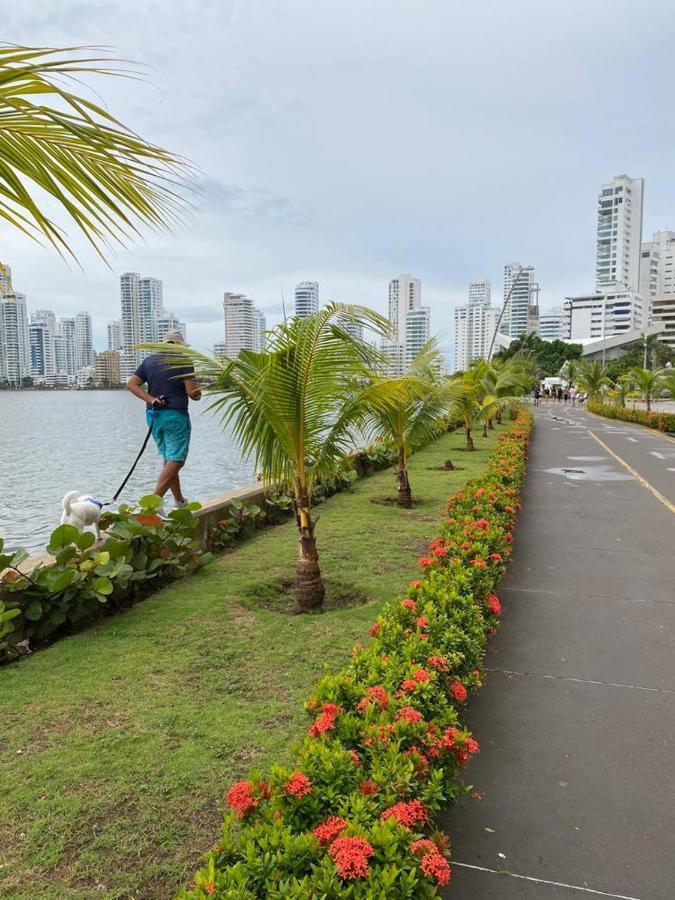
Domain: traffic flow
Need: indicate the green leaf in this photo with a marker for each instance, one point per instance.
(65, 555)
(33, 611)
(19, 556)
(61, 580)
(150, 503)
(85, 540)
(61, 537)
(102, 558)
(103, 586)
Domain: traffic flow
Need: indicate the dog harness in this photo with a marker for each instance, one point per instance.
(93, 500)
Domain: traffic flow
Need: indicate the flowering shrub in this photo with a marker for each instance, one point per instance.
(662, 421)
(385, 744)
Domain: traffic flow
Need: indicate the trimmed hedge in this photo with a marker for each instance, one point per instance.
(661, 421)
(385, 744)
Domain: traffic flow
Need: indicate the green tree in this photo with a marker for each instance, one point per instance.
(592, 378)
(648, 383)
(411, 421)
(295, 408)
(549, 355)
(471, 403)
(53, 141)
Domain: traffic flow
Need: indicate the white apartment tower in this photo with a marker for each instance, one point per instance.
(417, 332)
(142, 305)
(114, 330)
(260, 322)
(66, 350)
(551, 324)
(521, 313)
(167, 322)
(14, 346)
(602, 315)
(405, 294)
(475, 324)
(619, 235)
(240, 323)
(306, 299)
(84, 341)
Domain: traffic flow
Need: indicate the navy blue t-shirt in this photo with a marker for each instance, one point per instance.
(166, 380)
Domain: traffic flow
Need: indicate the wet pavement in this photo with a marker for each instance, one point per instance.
(574, 789)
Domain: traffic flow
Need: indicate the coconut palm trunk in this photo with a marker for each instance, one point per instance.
(404, 497)
(310, 589)
(469, 438)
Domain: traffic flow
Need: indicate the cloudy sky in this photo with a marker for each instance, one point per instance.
(346, 141)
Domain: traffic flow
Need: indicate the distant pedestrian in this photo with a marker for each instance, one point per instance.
(537, 395)
(566, 396)
(166, 399)
(560, 395)
(573, 395)
(547, 393)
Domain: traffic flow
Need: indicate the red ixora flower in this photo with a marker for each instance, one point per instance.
(376, 694)
(328, 830)
(458, 691)
(374, 629)
(351, 855)
(436, 866)
(325, 721)
(493, 603)
(423, 846)
(414, 585)
(496, 557)
(421, 675)
(298, 785)
(439, 663)
(210, 887)
(368, 787)
(425, 561)
(409, 604)
(408, 814)
(240, 797)
(356, 759)
(478, 562)
(408, 714)
(422, 622)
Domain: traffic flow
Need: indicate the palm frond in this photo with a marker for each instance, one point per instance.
(107, 179)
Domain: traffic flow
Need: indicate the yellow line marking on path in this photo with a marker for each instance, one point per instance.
(643, 481)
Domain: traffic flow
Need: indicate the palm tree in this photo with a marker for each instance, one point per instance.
(295, 408)
(107, 179)
(410, 423)
(619, 391)
(471, 403)
(592, 378)
(648, 383)
(506, 382)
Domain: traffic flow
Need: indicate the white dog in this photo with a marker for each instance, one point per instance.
(82, 510)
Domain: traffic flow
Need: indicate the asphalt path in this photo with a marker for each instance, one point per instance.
(574, 789)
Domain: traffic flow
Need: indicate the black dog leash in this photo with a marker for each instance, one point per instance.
(140, 453)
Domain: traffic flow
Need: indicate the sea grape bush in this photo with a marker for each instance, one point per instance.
(141, 550)
(385, 744)
(662, 421)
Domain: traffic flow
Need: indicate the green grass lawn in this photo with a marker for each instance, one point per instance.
(117, 744)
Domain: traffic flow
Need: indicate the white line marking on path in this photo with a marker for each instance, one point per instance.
(634, 440)
(572, 887)
(657, 454)
(634, 687)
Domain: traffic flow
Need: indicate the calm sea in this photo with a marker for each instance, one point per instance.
(52, 442)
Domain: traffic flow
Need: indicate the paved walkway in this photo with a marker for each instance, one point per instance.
(577, 721)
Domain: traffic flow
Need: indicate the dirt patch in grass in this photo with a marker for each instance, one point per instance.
(278, 595)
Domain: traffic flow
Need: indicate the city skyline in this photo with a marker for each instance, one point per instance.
(445, 200)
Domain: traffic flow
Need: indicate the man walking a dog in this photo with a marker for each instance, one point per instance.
(169, 390)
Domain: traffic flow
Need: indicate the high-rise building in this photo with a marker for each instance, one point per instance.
(151, 301)
(475, 325)
(663, 316)
(417, 332)
(240, 323)
(521, 293)
(84, 341)
(141, 300)
(551, 324)
(168, 322)
(66, 328)
(619, 235)
(602, 315)
(306, 299)
(219, 349)
(405, 294)
(107, 368)
(394, 356)
(39, 351)
(114, 330)
(260, 323)
(657, 266)
(14, 346)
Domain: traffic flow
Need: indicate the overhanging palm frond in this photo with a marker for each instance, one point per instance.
(108, 179)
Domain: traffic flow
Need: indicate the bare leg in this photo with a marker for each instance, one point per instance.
(169, 480)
